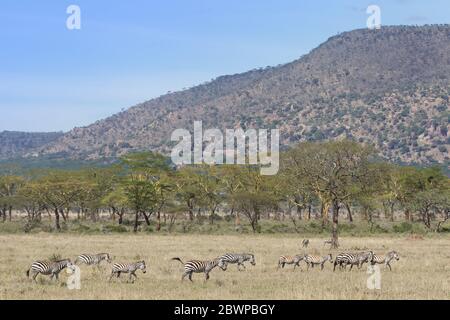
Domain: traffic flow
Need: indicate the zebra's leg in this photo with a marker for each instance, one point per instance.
(130, 277)
(112, 274)
(190, 277)
(206, 276)
(307, 266)
(35, 274)
(389, 265)
(321, 266)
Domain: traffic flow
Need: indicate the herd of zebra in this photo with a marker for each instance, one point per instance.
(53, 268)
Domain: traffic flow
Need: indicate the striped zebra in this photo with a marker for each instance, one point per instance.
(386, 260)
(305, 243)
(199, 266)
(131, 268)
(312, 260)
(239, 258)
(52, 268)
(328, 242)
(295, 260)
(93, 259)
(365, 257)
(344, 259)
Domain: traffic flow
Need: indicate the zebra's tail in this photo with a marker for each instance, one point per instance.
(177, 259)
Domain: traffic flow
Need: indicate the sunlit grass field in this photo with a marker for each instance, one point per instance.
(423, 271)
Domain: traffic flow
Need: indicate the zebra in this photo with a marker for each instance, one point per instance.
(93, 259)
(52, 268)
(130, 268)
(329, 242)
(365, 257)
(305, 243)
(199, 266)
(312, 260)
(343, 259)
(295, 260)
(239, 258)
(386, 260)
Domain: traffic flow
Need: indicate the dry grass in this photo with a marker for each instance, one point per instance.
(423, 271)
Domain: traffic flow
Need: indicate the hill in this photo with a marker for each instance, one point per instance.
(387, 87)
(14, 144)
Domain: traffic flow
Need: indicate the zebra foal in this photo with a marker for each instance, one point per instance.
(386, 260)
(93, 259)
(312, 260)
(52, 268)
(131, 268)
(201, 266)
(239, 259)
(295, 260)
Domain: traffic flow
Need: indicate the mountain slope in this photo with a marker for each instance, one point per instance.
(15, 144)
(389, 87)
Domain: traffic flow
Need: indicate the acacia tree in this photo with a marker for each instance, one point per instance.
(9, 188)
(187, 190)
(143, 175)
(335, 171)
(254, 195)
(56, 190)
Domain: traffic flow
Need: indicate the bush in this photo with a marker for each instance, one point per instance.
(403, 227)
(114, 228)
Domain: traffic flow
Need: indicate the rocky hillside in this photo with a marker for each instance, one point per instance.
(14, 144)
(387, 87)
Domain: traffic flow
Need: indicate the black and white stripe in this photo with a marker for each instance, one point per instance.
(312, 260)
(48, 268)
(201, 266)
(305, 243)
(344, 259)
(239, 258)
(386, 260)
(131, 268)
(295, 260)
(93, 259)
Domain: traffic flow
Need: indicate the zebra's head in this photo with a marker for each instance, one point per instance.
(141, 265)
(107, 257)
(330, 258)
(252, 259)
(370, 256)
(67, 263)
(222, 264)
(395, 255)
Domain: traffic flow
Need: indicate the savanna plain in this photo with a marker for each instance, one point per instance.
(423, 271)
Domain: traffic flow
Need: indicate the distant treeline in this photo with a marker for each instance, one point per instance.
(315, 180)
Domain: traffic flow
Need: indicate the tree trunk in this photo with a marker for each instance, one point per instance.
(136, 221)
(349, 212)
(58, 226)
(309, 211)
(334, 234)
(146, 217)
(158, 218)
(10, 213)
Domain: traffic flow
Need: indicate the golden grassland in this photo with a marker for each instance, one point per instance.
(423, 271)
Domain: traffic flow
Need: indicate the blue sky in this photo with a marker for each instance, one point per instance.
(52, 78)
